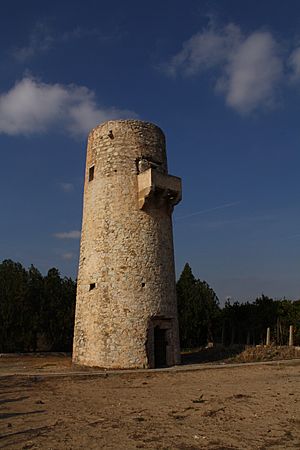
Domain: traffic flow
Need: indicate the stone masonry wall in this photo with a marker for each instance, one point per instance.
(127, 252)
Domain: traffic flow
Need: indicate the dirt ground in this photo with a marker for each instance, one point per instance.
(46, 404)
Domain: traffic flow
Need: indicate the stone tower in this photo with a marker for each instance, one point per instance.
(126, 313)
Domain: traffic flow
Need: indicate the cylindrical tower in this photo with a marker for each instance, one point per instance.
(126, 313)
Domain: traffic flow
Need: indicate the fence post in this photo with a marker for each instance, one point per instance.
(268, 340)
(291, 340)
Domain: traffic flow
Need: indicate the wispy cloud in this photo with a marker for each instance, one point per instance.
(74, 234)
(205, 50)
(294, 63)
(68, 256)
(204, 211)
(249, 67)
(239, 221)
(67, 187)
(40, 41)
(32, 106)
(293, 236)
(43, 38)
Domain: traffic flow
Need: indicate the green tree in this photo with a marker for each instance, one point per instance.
(58, 310)
(198, 309)
(13, 307)
(35, 300)
(36, 312)
(288, 313)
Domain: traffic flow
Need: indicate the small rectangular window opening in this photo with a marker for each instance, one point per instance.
(91, 173)
(92, 286)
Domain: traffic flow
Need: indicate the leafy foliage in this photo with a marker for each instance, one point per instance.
(198, 310)
(36, 312)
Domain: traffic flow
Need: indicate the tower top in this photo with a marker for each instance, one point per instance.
(126, 123)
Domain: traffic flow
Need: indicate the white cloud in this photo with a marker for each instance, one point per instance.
(249, 67)
(294, 63)
(253, 73)
(34, 107)
(67, 187)
(74, 234)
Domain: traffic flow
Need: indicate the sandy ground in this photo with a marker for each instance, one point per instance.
(244, 407)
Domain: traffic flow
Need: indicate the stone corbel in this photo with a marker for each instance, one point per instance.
(154, 185)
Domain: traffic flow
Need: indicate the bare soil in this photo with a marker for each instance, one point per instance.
(45, 403)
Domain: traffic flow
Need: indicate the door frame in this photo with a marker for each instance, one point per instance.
(164, 323)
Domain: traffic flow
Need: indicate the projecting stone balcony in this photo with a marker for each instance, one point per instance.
(156, 186)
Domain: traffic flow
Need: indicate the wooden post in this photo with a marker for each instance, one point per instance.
(291, 340)
(268, 341)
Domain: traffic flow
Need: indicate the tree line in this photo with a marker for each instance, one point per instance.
(37, 313)
(202, 320)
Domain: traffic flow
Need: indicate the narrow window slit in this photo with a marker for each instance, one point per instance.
(91, 173)
(92, 286)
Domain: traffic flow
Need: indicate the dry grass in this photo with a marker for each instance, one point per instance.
(265, 353)
(240, 354)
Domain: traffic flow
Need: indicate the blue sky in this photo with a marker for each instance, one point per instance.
(221, 78)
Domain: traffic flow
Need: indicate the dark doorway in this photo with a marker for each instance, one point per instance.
(160, 347)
